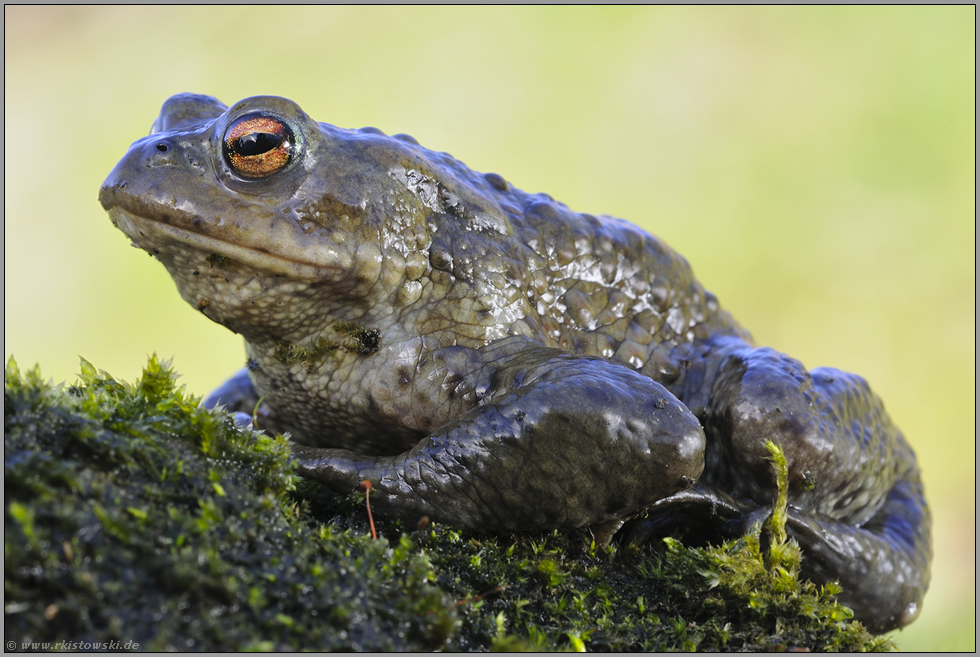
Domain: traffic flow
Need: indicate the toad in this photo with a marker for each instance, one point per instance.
(494, 360)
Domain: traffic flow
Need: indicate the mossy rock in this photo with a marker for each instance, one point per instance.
(134, 516)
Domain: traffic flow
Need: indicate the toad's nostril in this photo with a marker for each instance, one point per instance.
(162, 147)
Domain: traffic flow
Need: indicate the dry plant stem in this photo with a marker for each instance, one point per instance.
(366, 487)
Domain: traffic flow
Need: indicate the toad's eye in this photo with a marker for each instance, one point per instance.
(256, 145)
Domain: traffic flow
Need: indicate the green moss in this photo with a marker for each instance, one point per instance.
(289, 353)
(357, 338)
(133, 515)
(350, 337)
(215, 260)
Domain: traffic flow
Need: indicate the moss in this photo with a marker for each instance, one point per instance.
(352, 338)
(134, 515)
(358, 339)
(289, 353)
(215, 260)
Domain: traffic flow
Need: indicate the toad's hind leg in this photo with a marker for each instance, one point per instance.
(883, 565)
(237, 395)
(559, 441)
(856, 501)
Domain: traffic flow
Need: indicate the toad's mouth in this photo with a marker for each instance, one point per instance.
(158, 235)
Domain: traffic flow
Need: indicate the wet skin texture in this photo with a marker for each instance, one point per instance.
(494, 360)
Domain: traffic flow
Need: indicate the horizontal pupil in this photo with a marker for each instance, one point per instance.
(256, 143)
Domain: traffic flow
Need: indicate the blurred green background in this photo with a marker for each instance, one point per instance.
(815, 165)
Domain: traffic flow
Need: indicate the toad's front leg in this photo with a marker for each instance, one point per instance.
(557, 441)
